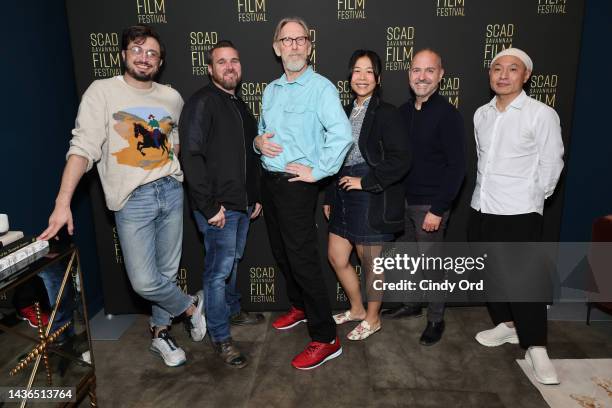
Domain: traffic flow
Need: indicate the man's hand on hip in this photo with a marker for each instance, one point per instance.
(303, 173)
(266, 147)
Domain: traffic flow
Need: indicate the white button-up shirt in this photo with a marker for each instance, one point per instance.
(520, 156)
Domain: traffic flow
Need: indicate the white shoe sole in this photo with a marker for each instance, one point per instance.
(200, 310)
(512, 339)
(292, 325)
(535, 374)
(25, 319)
(168, 363)
(330, 357)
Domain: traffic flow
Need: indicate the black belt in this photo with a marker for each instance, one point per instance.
(278, 174)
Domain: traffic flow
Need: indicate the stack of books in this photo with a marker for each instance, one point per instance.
(20, 253)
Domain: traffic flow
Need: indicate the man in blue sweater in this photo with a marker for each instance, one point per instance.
(437, 138)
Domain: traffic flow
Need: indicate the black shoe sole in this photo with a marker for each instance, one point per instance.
(427, 344)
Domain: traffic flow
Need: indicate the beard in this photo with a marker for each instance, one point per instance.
(139, 76)
(293, 64)
(227, 84)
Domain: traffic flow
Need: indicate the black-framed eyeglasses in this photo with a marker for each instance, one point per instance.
(288, 41)
(151, 54)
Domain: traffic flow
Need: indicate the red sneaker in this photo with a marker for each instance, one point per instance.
(292, 318)
(28, 314)
(316, 354)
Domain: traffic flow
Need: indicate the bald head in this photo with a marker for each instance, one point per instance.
(430, 53)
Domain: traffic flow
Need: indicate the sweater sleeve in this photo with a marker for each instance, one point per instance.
(89, 133)
(452, 138)
(174, 136)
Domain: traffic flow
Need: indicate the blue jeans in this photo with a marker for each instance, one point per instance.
(150, 229)
(224, 248)
(52, 277)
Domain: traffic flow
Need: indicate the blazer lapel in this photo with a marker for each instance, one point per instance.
(366, 127)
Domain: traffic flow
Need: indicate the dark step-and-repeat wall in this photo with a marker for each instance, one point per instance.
(467, 33)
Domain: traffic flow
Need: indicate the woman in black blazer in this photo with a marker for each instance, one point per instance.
(365, 201)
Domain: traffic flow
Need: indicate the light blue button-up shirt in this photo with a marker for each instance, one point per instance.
(308, 121)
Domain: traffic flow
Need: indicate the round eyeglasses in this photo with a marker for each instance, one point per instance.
(151, 54)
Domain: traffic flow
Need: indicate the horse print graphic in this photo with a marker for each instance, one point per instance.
(154, 138)
(148, 142)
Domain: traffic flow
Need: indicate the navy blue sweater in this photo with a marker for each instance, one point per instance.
(437, 138)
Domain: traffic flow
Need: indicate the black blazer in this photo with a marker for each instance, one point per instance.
(384, 144)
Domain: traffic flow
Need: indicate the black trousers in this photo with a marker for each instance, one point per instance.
(289, 211)
(530, 318)
(413, 232)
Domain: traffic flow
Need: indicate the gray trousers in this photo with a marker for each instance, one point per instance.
(415, 214)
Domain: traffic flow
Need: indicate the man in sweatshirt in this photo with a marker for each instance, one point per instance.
(142, 182)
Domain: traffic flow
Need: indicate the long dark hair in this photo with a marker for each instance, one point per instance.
(376, 66)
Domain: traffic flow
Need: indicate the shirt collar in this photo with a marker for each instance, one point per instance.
(427, 102)
(223, 93)
(516, 103)
(302, 79)
(365, 103)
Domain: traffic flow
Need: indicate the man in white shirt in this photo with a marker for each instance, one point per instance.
(520, 158)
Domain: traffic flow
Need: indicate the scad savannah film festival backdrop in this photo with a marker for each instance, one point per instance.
(467, 33)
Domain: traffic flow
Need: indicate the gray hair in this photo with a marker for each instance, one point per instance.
(286, 20)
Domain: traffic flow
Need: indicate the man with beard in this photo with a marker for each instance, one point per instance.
(142, 188)
(304, 136)
(437, 138)
(222, 175)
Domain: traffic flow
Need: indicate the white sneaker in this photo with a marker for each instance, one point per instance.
(196, 323)
(497, 336)
(165, 346)
(543, 369)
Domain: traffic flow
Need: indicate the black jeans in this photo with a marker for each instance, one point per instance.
(289, 211)
(530, 318)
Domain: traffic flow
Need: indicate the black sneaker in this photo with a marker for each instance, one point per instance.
(230, 354)
(245, 318)
(166, 347)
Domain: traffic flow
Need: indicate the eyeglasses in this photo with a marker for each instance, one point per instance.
(152, 54)
(288, 41)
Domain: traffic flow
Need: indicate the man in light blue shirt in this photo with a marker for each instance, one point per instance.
(304, 136)
(304, 116)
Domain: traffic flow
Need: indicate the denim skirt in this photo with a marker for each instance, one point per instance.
(350, 209)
